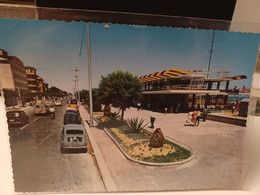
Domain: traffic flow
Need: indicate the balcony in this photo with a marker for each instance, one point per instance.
(30, 85)
(30, 79)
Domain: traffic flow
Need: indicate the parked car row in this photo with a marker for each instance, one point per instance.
(73, 135)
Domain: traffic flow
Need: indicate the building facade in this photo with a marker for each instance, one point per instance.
(19, 73)
(32, 79)
(13, 78)
(42, 85)
(175, 90)
(12, 72)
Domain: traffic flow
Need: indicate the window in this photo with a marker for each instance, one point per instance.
(75, 131)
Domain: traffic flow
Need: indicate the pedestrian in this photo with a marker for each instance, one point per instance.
(189, 119)
(177, 108)
(233, 106)
(165, 110)
(138, 106)
(204, 113)
(194, 117)
(152, 119)
(52, 111)
(198, 118)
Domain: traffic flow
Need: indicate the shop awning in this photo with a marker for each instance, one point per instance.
(170, 73)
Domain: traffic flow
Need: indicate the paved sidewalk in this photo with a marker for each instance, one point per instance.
(217, 162)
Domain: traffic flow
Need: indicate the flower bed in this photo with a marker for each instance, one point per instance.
(137, 145)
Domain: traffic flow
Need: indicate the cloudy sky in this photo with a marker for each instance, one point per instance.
(56, 48)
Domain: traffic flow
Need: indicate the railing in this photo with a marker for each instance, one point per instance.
(178, 87)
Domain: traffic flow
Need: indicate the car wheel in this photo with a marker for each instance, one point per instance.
(62, 150)
(27, 121)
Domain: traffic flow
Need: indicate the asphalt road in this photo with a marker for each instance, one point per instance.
(38, 165)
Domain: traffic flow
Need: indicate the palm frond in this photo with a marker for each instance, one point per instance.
(134, 125)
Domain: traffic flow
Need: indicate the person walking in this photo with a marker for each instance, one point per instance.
(204, 113)
(152, 119)
(138, 106)
(198, 118)
(52, 111)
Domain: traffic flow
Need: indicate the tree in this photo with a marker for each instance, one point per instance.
(84, 95)
(56, 92)
(27, 96)
(120, 89)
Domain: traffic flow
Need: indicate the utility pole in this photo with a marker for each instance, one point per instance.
(90, 79)
(74, 88)
(77, 83)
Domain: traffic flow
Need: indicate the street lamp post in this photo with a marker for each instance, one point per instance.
(90, 78)
(77, 86)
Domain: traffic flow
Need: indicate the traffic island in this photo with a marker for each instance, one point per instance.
(140, 146)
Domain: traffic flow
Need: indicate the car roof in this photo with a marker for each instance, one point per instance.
(74, 126)
(40, 104)
(71, 113)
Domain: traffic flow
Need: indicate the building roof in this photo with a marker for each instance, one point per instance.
(170, 73)
(175, 73)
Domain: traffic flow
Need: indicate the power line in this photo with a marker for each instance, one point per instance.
(82, 41)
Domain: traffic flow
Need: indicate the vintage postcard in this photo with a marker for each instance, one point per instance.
(95, 107)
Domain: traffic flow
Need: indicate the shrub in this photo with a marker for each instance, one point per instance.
(134, 125)
(114, 115)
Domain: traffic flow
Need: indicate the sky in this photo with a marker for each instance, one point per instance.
(55, 48)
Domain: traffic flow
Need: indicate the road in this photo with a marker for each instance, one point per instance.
(38, 165)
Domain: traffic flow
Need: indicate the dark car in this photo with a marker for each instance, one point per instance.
(72, 118)
(73, 138)
(17, 117)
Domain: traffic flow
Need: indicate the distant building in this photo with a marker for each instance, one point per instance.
(12, 72)
(181, 90)
(32, 79)
(42, 85)
(36, 84)
(13, 78)
(19, 73)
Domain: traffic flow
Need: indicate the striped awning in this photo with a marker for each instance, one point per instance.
(170, 73)
(238, 77)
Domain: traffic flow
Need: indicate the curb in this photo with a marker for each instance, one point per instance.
(155, 164)
(105, 174)
(18, 108)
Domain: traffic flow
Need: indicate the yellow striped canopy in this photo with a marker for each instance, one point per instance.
(170, 73)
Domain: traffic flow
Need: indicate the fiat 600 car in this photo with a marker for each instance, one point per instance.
(73, 138)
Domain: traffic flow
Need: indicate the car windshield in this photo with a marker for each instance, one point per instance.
(13, 114)
(73, 101)
(72, 118)
(74, 131)
(39, 106)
